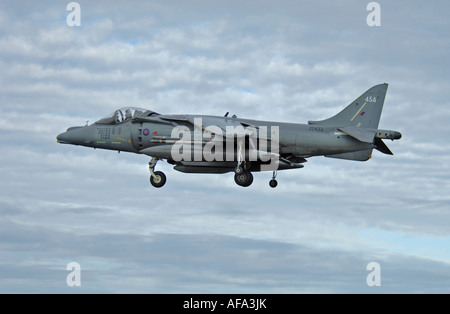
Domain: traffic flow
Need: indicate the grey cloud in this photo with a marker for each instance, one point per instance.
(204, 263)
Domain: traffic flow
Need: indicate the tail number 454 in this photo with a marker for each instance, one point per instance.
(371, 99)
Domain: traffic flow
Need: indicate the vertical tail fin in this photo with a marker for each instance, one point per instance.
(364, 112)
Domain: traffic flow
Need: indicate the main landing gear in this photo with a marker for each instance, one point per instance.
(157, 178)
(244, 178)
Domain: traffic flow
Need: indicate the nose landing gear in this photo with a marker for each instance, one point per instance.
(157, 178)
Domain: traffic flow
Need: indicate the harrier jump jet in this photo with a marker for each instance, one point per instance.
(221, 144)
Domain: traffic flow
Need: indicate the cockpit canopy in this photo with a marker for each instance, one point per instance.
(125, 114)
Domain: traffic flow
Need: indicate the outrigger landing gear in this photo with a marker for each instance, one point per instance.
(157, 178)
(273, 183)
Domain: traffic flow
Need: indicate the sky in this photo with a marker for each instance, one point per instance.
(289, 61)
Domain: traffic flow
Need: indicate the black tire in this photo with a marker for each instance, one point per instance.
(273, 183)
(244, 179)
(160, 179)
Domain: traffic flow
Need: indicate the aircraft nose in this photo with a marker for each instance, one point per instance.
(63, 138)
(73, 135)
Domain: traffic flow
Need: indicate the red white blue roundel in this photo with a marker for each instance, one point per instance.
(146, 132)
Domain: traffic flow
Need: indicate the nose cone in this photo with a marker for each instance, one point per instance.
(74, 135)
(62, 138)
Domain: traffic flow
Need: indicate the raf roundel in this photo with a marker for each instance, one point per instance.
(146, 132)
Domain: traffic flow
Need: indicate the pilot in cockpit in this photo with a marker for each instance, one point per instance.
(124, 114)
(128, 114)
(119, 116)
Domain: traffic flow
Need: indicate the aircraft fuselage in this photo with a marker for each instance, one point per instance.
(216, 144)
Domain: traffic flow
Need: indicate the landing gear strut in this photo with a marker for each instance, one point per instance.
(157, 178)
(273, 183)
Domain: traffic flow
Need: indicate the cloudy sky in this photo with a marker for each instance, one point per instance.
(290, 61)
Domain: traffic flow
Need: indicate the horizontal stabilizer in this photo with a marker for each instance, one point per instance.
(362, 135)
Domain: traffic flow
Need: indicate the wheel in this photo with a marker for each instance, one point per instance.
(159, 180)
(244, 179)
(273, 183)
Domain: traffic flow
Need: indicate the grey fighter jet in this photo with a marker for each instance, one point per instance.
(221, 144)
